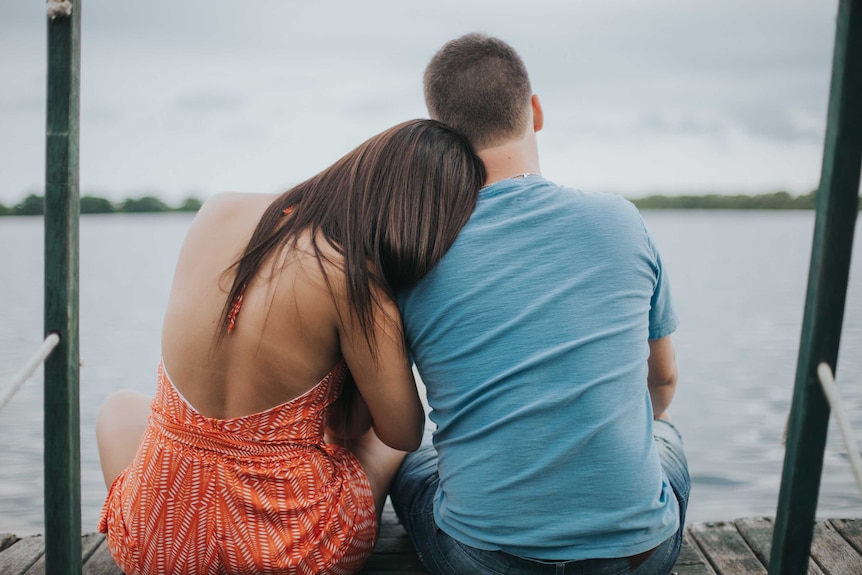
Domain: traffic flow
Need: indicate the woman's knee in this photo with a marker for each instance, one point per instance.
(120, 425)
(122, 409)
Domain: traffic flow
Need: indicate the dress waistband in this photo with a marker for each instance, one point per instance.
(229, 445)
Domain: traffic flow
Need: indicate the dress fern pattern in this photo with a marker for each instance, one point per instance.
(255, 494)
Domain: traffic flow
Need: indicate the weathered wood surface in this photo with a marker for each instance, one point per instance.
(740, 547)
(725, 548)
(691, 561)
(757, 532)
(7, 539)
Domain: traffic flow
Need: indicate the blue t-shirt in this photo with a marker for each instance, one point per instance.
(531, 336)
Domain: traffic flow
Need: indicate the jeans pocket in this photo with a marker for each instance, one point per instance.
(466, 559)
(662, 560)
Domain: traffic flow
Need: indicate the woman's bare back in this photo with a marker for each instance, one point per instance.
(286, 334)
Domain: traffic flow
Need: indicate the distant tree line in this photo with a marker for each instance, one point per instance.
(771, 201)
(34, 205)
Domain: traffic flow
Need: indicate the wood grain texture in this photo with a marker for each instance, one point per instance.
(740, 547)
(19, 557)
(7, 539)
(691, 561)
(89, 543)
(833, 552)
(725, 549)
(851, 530)
(757, 532)
(101, 563)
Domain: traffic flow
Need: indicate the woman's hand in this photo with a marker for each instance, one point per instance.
(348, 418)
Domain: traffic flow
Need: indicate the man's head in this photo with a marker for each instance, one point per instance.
(479, 86)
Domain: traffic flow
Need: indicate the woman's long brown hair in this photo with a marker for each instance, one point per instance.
(392, 208)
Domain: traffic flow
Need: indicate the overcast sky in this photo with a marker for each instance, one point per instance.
(195, 97)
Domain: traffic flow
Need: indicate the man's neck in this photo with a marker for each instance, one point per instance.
(512, 158)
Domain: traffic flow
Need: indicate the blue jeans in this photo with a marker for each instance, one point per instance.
(413, 496)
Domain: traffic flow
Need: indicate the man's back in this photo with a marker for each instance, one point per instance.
(531, 336)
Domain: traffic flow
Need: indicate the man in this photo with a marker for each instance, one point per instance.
(543, 338)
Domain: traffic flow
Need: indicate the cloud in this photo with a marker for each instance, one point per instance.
(209, 102)
(216, 94)
(778, 124)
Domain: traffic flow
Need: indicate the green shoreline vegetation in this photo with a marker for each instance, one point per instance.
(34, 205)
(771, 201)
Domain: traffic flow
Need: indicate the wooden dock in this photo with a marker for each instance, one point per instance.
(739, 547)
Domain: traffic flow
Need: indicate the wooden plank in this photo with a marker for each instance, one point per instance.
(89, 544)
(7, 539)
(393, 537)
(725, 549)
(101, 562)
(721, 548)
(403, 564)
(851, 530)
(388, 517)
(397, 557)
(394, 552)
(18, 558)
(757, 532)
(833, 553)
(386, 544)
(691, 561)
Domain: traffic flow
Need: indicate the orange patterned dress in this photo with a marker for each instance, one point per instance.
(255, 494)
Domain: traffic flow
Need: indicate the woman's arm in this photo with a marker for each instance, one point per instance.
(349, 417)
(383, 376)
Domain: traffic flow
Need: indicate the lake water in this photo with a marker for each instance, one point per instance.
(739, 280)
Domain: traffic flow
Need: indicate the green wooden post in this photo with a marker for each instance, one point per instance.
(62, 419)
(837, 209)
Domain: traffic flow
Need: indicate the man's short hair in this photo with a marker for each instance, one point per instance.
(479, 86)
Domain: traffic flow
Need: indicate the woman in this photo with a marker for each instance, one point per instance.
(230, 471)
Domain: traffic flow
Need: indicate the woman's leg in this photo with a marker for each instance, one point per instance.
(120, 426)
(380, 463)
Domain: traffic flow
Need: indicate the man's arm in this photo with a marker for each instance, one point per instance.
(661, 378)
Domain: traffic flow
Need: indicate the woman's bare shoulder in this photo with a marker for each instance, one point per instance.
(230, 210)
(226, 202)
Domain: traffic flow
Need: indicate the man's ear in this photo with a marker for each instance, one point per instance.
(538, 115)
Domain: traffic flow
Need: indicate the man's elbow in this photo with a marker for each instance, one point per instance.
(663, 378)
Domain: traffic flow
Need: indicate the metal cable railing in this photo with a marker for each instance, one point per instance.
(26, 372)
(827, 380)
